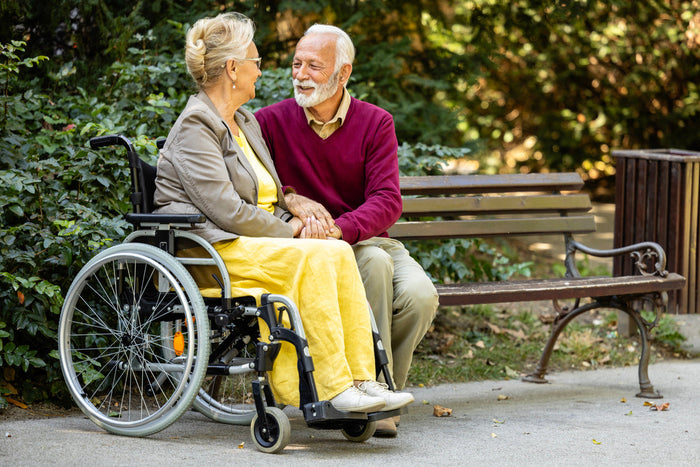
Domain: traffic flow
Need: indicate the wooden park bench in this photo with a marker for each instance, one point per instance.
(468, 206)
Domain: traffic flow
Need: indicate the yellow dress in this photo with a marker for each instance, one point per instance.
(322, 279)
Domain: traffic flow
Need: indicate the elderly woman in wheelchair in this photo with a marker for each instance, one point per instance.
(142, 336)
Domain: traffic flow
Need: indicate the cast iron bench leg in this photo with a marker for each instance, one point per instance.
(646, 388)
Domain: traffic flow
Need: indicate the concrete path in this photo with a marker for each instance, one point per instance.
(580, 418)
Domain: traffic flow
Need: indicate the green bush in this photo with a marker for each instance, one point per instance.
(62, 202)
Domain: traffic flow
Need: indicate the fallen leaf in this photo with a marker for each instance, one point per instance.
(446, 343)
(480, 344)
(647, 404)
(628, 413)
(657, 407)
(19, 404)
(420, 385)
(470, 354)
(494, 328)
(439, 411)
(596, 442)
(502, 397)
(425, 402)
(547, 318)
(240, 446)
(9, 389)
(623, 400)
(519, 334)
(511, 373)
(8, 375)
(497, 421)
(494, 435)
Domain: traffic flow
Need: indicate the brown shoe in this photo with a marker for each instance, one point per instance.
(386, 428)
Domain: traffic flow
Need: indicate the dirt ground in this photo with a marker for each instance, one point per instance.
(35, 411)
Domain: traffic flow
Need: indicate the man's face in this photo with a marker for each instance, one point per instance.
(313, 69)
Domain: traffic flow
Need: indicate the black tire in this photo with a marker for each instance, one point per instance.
(278, 435)
(359, 431)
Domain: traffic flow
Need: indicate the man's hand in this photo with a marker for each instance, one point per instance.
(311, 213)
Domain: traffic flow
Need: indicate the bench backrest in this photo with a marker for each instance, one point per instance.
(493, 205)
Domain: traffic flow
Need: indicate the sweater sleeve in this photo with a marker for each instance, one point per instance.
(382, 196)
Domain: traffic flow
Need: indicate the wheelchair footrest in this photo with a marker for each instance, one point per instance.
(374, 416)
(322, 414)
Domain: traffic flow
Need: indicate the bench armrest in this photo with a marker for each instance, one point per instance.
(642, 253)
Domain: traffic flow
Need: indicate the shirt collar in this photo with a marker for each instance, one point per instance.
(339, 116)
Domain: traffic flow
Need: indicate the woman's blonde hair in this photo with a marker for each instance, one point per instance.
(211, 42)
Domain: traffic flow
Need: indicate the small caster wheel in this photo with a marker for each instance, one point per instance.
(359, 431)
(276, 437)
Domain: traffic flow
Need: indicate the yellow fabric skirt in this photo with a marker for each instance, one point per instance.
(322, 279)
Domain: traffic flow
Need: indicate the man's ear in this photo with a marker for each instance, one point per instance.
(345, 72)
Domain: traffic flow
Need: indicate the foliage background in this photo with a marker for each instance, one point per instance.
(518, 85)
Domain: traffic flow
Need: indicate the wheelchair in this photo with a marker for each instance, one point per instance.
(139, 345)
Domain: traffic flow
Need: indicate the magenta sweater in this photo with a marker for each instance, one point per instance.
(354, 173)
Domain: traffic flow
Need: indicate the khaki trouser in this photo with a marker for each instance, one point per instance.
(402, 297)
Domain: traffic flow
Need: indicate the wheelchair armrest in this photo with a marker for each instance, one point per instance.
(138, 218)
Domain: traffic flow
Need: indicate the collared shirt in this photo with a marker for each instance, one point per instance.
(324, 130)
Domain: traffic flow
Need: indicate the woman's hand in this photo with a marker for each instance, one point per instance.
(311, 212)
(297, 224)
(313, 229)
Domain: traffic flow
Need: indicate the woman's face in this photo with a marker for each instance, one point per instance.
(248, 72)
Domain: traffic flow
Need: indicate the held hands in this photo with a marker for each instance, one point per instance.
(317, 221)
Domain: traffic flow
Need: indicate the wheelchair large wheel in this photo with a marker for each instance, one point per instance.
(119, 369)
(228, 398)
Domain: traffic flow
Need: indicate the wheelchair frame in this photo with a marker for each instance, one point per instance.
(139, 345)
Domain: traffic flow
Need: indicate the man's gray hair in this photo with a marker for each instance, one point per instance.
(345, 50)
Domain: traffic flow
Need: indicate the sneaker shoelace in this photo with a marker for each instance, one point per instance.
(381, 387)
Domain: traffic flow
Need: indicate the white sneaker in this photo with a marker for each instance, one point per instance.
(393, 400)
(354, 400)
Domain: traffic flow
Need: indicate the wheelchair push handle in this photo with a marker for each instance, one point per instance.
(111, 140)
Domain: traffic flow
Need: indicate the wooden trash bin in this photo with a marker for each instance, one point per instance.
(657, 199)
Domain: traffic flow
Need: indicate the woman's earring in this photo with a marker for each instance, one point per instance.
(234, 85)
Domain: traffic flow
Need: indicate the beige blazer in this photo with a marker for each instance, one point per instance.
(202, 170)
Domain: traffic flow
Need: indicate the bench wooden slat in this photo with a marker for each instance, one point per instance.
(559, 288)
(491, 227)
(463, 184)
(495, 205)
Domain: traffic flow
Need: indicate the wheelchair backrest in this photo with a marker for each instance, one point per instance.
(143, 192)
(143, 174)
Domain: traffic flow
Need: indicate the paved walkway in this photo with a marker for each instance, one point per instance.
(580, 418)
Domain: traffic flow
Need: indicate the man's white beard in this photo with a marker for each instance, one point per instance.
(321, 92)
